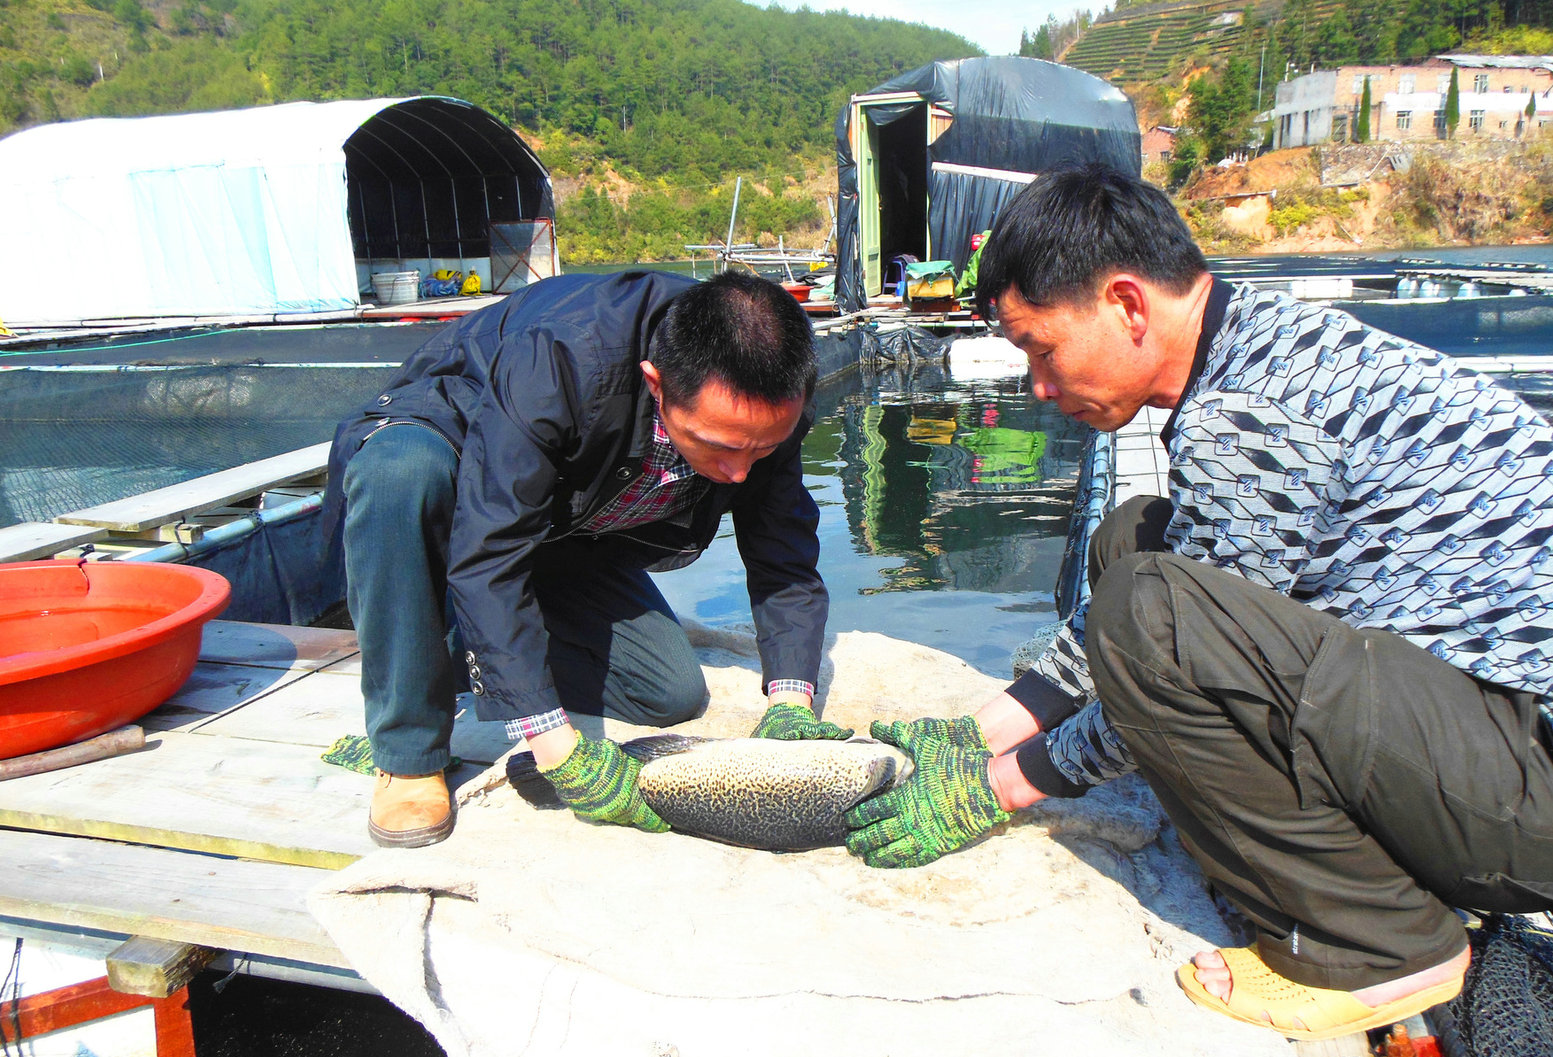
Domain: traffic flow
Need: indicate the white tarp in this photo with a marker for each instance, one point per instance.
(238, 212)
(530, 932)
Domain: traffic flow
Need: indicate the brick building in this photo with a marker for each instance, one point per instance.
(1408, 102)
(1159, 144)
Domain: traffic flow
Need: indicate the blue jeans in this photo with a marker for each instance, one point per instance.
(615, 649)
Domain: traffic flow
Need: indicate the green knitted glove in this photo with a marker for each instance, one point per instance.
(947, 803)
(598, 782)
(963, 731)
(789, 721)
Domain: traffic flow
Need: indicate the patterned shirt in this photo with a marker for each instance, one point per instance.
(1371, 478)
(665, 488)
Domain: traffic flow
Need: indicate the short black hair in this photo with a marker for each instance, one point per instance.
(743, 330)
(1070, 229)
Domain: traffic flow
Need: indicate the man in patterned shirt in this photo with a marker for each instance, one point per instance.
(531, 463)
(1328, 650)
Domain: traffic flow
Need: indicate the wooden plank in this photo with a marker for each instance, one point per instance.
(227, 796)
(328, 705)
(251, 907)
(276, 645)
(312, 711)
(241, 663)
(156, 968)
(437, 309)
(150, 509)
(31, 540)
(213, 689)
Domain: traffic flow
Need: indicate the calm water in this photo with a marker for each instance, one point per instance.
(943, 512)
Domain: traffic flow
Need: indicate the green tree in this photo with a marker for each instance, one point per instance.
(1040, 45)
(1298, 32)
(1361, 125)
(1336, 44)
(1452, 106)
(192, 74)
(1222, 107)
(1185, 159)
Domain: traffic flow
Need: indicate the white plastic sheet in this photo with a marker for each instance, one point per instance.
(230, 213)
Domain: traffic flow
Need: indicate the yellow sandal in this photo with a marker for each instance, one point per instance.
(1325, 1014)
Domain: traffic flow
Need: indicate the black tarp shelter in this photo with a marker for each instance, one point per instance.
(927, 159)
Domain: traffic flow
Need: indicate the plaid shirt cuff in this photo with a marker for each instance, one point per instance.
(525, 727)
(796, 686)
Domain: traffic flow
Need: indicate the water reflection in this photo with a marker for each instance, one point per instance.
(944, 506)
(960, 480)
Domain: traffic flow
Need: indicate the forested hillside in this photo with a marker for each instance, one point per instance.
(679, 89)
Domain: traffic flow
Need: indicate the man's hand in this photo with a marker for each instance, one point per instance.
(791, 721)
(961, 731)
(947, 803)
(598, 782)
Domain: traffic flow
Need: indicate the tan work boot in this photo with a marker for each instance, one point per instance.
(410, 810)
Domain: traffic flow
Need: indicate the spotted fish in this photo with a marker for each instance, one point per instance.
(755, 792)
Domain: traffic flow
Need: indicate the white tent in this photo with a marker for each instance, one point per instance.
(262, 211)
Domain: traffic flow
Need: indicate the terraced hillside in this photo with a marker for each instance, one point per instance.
(1142, 43)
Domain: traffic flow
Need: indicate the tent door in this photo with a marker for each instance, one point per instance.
(890, 134)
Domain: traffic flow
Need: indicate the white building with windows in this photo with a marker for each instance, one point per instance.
(1408, 102)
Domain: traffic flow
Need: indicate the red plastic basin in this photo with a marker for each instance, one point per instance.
(89, 646)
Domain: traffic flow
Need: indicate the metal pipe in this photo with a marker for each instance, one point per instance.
(733, 215)
(292, 972)
(236, 529)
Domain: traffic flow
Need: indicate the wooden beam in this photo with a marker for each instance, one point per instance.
(160, 894)
(275, 645)
(31, 540)
(227, 796)
(151, 509)
(155, 968)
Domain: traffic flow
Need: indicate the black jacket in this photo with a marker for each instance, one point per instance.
(542, 396)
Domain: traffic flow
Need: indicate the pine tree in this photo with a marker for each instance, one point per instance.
(1452, 106)
(1361, 126)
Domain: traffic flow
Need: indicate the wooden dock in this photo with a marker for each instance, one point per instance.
(213, 834)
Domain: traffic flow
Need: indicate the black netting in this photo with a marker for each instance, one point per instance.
(92, 422)
(1506, 1007)
(74, 439)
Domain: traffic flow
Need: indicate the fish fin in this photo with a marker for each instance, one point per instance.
(657, 746)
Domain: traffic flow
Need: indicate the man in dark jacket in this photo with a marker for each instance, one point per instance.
(532, 463)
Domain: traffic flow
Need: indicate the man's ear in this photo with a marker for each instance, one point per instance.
(1128, 295)
(654, 382)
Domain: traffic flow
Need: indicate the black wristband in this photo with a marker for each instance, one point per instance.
(1035, 763)
(1044, 701)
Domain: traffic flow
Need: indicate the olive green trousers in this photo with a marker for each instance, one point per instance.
(1344, 788)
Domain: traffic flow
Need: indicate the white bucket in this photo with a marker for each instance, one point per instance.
(396, 288)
